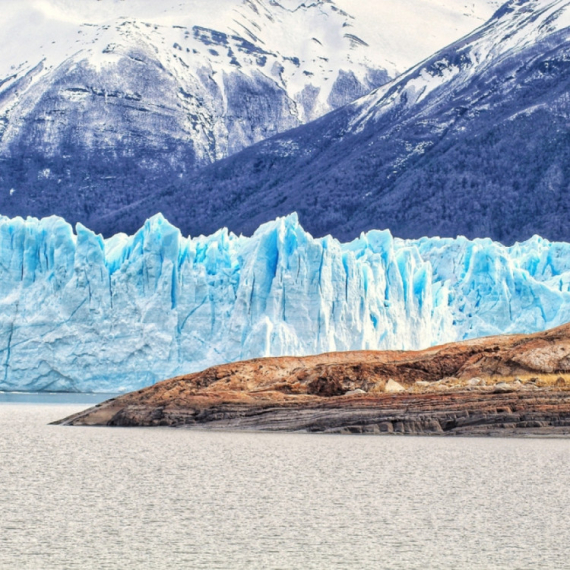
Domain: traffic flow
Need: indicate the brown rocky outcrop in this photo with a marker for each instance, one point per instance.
(507, 385)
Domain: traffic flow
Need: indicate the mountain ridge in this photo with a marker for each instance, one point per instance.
(466, 143)
(115, 108)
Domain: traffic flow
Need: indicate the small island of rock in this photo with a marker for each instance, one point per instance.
(516, 385)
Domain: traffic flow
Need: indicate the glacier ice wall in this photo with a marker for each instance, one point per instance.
(81, 313)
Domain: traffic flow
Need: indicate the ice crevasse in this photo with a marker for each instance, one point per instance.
(80, 313)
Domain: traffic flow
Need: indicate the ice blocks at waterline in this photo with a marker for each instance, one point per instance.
(81, 313)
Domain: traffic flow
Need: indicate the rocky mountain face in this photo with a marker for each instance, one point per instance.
(470, 388)
(105, 102)
(473, 141)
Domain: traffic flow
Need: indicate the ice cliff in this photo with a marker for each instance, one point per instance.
(78, 312)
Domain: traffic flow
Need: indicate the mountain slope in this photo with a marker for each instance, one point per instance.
(102, 102)
(473, 141)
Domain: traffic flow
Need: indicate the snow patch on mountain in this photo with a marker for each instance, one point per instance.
(78, 312)
(104, 103)
(529, 22)
(317, 55)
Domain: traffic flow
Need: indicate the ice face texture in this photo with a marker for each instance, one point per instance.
(81, 313)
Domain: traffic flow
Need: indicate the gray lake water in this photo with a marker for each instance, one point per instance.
(162, 498)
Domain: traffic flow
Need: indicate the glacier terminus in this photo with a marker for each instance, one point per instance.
(83, 313)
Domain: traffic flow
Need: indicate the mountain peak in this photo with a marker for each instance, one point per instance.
(107, 102)
(471, 142)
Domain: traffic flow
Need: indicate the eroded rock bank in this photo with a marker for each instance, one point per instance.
(509, 385)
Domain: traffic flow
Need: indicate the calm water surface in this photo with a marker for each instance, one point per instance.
(161, 498)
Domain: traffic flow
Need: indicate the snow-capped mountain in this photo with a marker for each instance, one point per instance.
(81, 313)
(103, 101)
(473, 141)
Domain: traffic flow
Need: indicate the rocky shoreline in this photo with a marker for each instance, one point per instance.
(498, 386)
(462, 414)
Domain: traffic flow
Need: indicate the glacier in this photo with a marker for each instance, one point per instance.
(83, 313)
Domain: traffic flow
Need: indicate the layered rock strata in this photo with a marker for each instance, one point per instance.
(509, 385)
